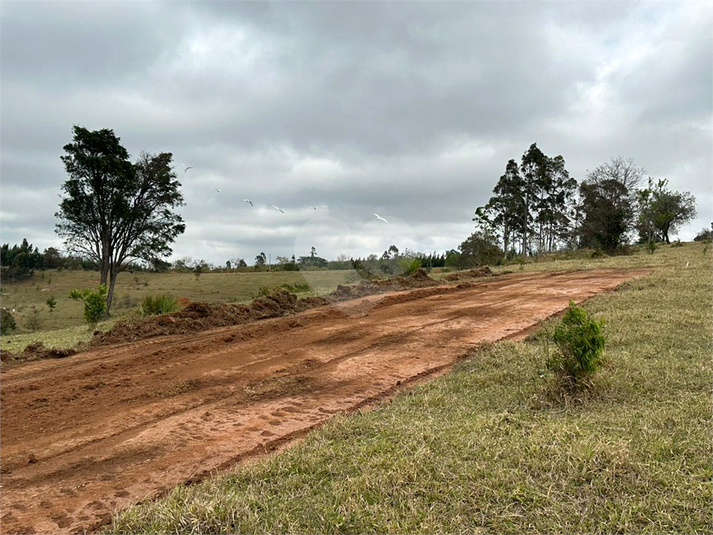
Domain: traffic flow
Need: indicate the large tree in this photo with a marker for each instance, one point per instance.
(114, 211)
(608, 204)
(532, 203)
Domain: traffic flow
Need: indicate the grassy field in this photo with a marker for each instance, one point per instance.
(492, 448)
(65, 326)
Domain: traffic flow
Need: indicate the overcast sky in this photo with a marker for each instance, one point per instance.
(407, 109)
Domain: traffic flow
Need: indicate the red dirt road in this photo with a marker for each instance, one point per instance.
(98, 431)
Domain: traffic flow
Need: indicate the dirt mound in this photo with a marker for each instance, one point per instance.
(483, 271)
(35, 351)
(419, 279)
(200, 316)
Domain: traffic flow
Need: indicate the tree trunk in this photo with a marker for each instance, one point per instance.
(110, 292)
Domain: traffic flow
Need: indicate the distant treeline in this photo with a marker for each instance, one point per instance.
(21, 261)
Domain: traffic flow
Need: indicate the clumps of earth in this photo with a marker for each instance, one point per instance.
(483, 271)
(200, 316)
(36, 351)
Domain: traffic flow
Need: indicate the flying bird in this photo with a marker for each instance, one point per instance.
(276, 208)
(318, 207)
(187, 168)
(216, 189)
(248, 201)
(379, 218)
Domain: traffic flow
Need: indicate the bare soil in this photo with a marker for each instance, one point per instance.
(117, 424)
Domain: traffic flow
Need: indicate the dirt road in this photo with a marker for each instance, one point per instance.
(103, 429)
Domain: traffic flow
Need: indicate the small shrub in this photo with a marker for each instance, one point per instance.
(153, 305)
(94, 303)
(264, 291)
(580, 342)
(126, 301)
(51, 303)
(677, 243)
(651, 246)
(7, 321)
(409, 267)
(297, 288)
(32, 322)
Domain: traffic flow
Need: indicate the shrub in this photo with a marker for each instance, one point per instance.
(410, 266)
(297, 288)
(7, 321)
(51, 303)
(32, 322)
(153, 305)
(94, 303)
(264, 291)
(580, 342)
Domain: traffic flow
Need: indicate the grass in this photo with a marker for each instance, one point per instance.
(488, 448)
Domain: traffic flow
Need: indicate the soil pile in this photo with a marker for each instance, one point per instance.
(475, 273)
(200, 316)
(36, 351)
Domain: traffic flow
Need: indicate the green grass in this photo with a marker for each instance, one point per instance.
(488, 448)
(27, 296)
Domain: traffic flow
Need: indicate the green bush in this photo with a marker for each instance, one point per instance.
(580, 341)
(297, 287)
(94, 303)
(7, 321)
(409, 266)
(264, 291)
(153, 305)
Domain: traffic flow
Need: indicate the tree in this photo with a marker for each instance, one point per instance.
(662, 211)
(19, 262)
(480, 248)
(532, 203)
(607, 204)
(504, 211)
(113, 210)
(52, 258)
(260, 259)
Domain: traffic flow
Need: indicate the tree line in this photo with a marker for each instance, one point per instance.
(537, 207)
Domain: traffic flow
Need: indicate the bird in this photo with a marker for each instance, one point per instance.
(379, 218)
(216, 189)
(248, 201)
(187, 168)
(276, 208)
(318, 207)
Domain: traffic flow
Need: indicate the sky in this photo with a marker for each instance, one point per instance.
(410, 110)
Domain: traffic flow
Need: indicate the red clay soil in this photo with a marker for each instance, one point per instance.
(109, 427)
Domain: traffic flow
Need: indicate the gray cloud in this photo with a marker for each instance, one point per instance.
(407, 109)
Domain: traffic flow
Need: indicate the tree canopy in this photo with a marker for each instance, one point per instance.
(112, 210)
(608, 207)
(532, 203)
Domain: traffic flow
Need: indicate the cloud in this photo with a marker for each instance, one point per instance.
(410, 110)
